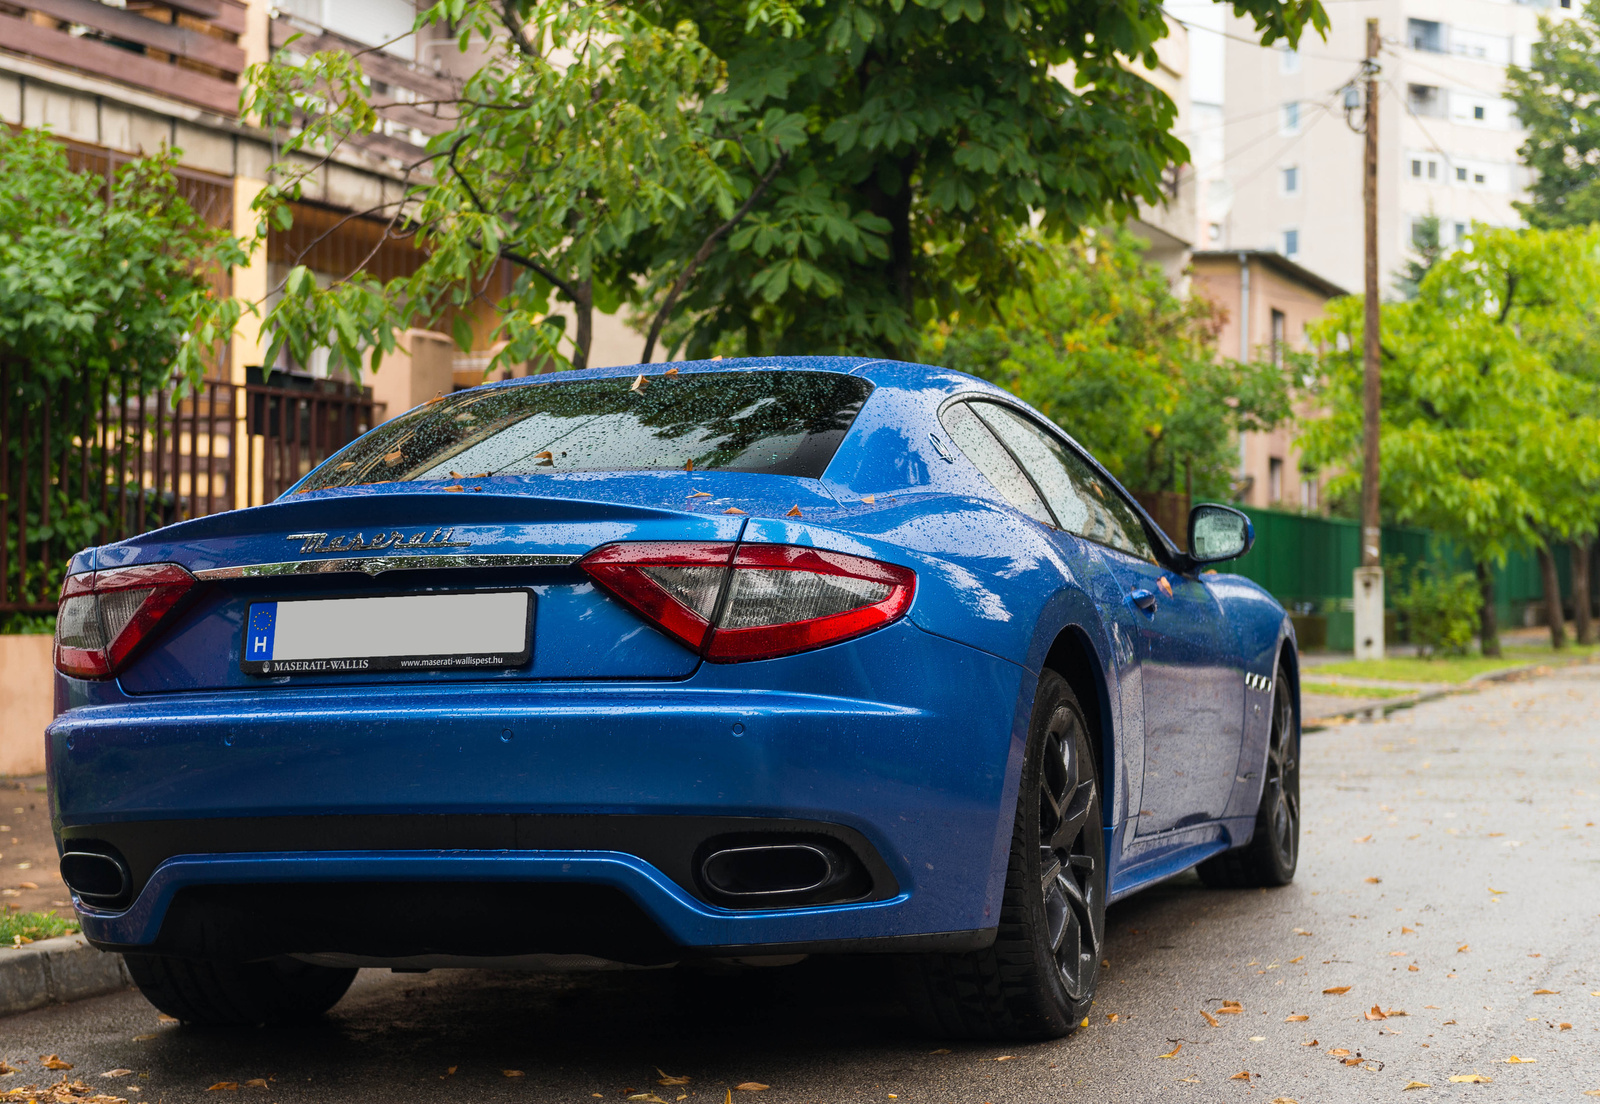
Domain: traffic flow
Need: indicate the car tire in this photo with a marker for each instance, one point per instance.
(1037, 980)
(1270, 858)
(279, 990)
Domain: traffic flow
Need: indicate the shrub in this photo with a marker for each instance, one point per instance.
(1440, 607)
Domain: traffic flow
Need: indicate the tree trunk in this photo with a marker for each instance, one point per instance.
(1583, 613)
(1552, 598)
(1488, 622)
(583, 306)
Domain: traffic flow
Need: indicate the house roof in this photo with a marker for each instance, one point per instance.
(1275, 260)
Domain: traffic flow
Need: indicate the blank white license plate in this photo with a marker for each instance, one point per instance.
(475, 629)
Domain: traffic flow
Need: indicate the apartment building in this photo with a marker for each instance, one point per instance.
(1448, 137)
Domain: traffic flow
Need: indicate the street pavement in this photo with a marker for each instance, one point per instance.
(1449, 882)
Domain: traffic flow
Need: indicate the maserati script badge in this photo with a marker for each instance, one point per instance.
(392, 541)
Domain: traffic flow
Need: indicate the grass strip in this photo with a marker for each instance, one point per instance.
(1344, 690)
(1449, 668)
(17, 928)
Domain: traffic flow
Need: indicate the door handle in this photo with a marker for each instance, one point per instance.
(1144, 599)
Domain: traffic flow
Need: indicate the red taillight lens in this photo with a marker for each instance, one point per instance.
(103, 615)
(754, 602)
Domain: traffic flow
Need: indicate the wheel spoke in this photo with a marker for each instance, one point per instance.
(1074, 819)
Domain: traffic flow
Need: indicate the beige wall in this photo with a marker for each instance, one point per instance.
(1326, 210)
(27, 701)
(1218, 279)
(423, 366)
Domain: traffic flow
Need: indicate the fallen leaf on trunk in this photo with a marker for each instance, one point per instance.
(1173, 1053)
(1337, 990)
(1210, 1019)
(457, 487)
(1296, 1019)
(1470, 1079)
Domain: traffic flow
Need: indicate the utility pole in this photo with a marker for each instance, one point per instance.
(1368, 582)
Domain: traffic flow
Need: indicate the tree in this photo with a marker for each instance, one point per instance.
(785, 179)
(100, 280)
(1555, 98)
(1483, 436)
(1100, 344)
(1426, 249)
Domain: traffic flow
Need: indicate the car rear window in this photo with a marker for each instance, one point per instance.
(777, 423)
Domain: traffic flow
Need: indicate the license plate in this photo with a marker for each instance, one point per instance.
(402, 632)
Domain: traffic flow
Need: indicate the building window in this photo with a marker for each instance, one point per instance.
(1433, 170)
(1291, 243)
(1425, 34)
(1308, 492)
(1425, 99)
(1416, 168)
(1291, 117)
(1477, 178)
(1288, 61)
(1291, 180)
(1280, 327)
(1461, 175)
(1477, 112)
(1461, 231)
(1214, 231)
(1274, 480)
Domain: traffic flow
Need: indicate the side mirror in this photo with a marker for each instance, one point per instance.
(1218, 533)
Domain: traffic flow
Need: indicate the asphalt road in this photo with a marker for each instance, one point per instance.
(1449, 871)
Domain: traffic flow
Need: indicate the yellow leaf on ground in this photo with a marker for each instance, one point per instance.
(1339, 1052)
(1301, 931)
(1296, 1019)
(1376, 1013)
(1363, 839)
(941, 1050)
(1112, 1017)
(1395, 1012)
(513, 1073)
(1283, 1100)
(1374, 881)
(1407, 931)
(28, 885)
(647, 1098)
(1496, 892)
(256, 1083)
(670, 1079)
(1173, 1053)
(1210, 1019)
(1242, 1075)
(118, 1072)
(751, 1086)
(1417, 1085)
(1337, 990)
(1470, 1079)
(1464, 948)
(1313, 1042)
(224, 1086)
(1515, 1061)
(1295, 961)
(1566, 1027)
(1547, 992)
(53, 1062)
(1230, 1008)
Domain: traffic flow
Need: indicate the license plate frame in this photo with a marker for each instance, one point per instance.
(403, 620)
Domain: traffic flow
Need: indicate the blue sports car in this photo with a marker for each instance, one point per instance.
(726, 659)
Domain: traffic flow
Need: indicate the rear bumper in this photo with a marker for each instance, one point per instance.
(909, 756)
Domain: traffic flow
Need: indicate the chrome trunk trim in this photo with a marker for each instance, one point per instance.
(376, 565)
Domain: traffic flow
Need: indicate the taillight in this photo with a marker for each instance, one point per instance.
(753, 601)
(103, 615)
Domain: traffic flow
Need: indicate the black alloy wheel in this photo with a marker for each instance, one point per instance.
(1039, 977)
(1071, 854)
(1272, 854)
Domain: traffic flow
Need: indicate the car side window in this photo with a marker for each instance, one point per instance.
(1083, 501)
(996, 464)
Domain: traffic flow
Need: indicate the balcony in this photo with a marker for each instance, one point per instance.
(186, 50)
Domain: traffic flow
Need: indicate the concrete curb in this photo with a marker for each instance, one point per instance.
(1385, 707)
(53, 971)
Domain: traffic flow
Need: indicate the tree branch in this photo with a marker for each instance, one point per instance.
(529, 263)
(704, 253)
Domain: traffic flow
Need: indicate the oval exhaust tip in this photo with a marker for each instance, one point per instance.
(95, 877)
(769, 869)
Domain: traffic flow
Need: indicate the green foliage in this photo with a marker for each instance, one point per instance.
(787, 177)
(939, 132)
(1440, 606)
(101, 285)
(1100, 344)
(1488, 423)
(1555, 97)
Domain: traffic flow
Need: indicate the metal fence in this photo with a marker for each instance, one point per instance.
(136, 461)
